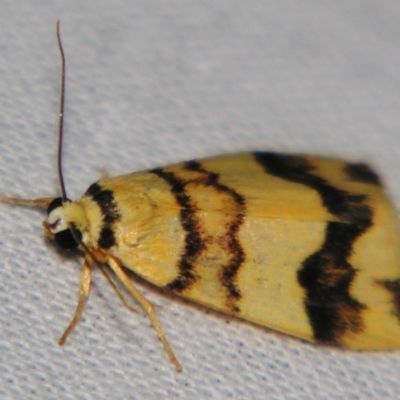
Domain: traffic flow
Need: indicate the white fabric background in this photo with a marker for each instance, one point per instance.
(151, 83)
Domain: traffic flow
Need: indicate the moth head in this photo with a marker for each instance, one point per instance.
(58, 227)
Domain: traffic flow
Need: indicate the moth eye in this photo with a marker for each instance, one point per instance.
(57, 202)
(66, 240)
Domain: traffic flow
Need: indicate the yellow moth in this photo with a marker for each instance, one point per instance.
(304, 245)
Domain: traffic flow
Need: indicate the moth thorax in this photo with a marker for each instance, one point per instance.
(60, 227)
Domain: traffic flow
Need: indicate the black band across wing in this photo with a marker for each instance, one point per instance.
(327, 275)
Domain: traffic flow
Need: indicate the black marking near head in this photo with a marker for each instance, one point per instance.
(109, 210)
(66, 240)
(108, 206)
(327, 275)
(193, 242)
(57, 202)
(237, 255)
(362, 173)
(107, 237)
(93, 189)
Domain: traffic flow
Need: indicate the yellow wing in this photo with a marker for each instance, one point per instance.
(307, 246)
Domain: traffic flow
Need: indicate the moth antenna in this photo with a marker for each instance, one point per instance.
(61, 117)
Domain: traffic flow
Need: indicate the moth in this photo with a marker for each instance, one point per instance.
(303, 245)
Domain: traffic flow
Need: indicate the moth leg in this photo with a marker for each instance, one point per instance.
(44, 202)
(114, 286)
(145, 304)
(83, 295)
